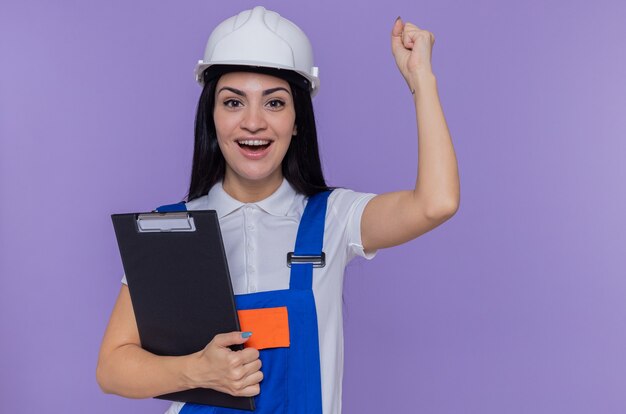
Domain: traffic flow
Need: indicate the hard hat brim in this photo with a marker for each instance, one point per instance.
(205, 71)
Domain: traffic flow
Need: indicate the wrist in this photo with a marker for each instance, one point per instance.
(420, 80)
(187, 374)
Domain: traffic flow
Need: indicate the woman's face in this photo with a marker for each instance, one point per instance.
(254, 119)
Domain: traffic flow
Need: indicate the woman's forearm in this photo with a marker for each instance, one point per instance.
(133, 372)
(437, 173)
(125, 369)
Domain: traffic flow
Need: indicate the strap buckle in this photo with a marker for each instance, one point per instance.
(316, 260)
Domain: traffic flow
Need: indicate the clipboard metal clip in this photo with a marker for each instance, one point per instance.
(315, 259)
(165, 222)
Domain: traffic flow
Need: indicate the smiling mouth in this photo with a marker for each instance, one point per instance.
(254, 145)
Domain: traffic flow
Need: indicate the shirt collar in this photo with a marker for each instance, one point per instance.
(277, 204)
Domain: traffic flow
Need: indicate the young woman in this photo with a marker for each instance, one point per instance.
(256, 163)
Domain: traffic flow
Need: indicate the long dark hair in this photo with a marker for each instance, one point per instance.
(301, 166)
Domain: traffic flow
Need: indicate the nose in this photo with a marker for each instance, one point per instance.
(253, 119)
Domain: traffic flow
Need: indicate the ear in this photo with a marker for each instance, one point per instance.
(295, 131)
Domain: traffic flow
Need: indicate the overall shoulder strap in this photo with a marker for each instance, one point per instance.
(172, 207)
(309, 243)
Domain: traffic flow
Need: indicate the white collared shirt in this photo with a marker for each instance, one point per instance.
(258, 236)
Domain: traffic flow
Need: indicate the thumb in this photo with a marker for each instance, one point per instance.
(396, 34)
(231, 338)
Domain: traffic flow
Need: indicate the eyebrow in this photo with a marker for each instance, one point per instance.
(242, 93)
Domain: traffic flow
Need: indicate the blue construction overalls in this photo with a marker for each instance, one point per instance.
(291, 375)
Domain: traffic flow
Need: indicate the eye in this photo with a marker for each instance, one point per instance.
(276, 103)
(232, 103)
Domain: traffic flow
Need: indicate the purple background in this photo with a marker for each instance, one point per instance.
(516, 305)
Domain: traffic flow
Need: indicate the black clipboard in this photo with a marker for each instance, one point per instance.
(180, 288)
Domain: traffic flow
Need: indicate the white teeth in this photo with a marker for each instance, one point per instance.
(254, 142)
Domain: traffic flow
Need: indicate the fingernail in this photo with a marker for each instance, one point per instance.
(246, 334)
(398, 18)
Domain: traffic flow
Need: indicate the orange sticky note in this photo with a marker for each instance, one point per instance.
(269, 327)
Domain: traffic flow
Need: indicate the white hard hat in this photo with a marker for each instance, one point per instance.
(260, 38)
